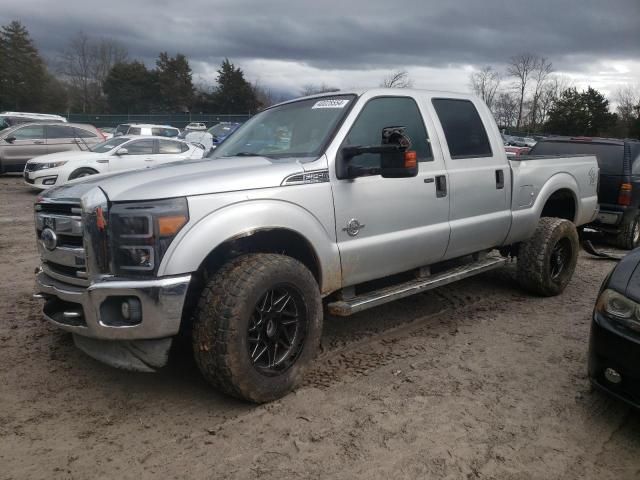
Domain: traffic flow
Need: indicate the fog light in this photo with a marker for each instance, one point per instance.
(49, 181)
(131, 310)
(612, 376)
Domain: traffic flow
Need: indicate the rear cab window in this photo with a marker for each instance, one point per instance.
(122, 129)
(463, 128)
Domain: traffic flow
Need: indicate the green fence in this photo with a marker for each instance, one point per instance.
(176, 120)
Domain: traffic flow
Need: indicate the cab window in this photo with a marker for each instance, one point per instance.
(383, 112)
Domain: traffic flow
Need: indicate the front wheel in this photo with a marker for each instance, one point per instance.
(82, 172)
(257, 326)
(547, 260)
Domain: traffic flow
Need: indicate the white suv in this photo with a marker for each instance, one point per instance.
(146, 129)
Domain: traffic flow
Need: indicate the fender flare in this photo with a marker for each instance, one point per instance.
(187, 252)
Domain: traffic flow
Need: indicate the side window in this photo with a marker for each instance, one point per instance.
(58, 131)
(168, 147)
(140, 147)
(32, 132)
(134, 131)
(463, 128)
(80, 133)
(383, 112)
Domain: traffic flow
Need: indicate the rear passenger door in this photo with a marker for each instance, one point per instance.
(479, 178)
(170, 151)
(60, 138)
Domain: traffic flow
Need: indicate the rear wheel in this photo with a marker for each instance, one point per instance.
(547, 260)
(629, 236)
(258, 326)
(82, 172)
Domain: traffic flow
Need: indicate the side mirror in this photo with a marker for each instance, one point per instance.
(10, 139)
(396, 160)
(122, 151)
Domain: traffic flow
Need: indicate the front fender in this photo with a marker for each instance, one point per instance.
(200, 237)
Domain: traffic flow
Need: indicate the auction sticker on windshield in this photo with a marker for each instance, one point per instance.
(332, 103)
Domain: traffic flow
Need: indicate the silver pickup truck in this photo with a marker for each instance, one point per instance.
(340, 202)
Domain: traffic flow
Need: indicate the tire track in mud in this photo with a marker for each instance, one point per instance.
(360, 353)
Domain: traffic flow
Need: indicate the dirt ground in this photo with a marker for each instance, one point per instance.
(474, 380)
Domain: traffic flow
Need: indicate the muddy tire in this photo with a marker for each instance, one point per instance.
(257, 326)
(629, 236)
(82, 172)
(547, 260)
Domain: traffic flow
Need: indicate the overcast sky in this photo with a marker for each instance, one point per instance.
(285, 44)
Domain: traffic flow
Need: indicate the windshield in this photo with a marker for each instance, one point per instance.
(297, 129)
(222, 129)
(109, 145)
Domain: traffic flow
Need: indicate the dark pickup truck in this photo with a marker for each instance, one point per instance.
(619, 191)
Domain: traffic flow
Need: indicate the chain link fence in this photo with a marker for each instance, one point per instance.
(179, 120)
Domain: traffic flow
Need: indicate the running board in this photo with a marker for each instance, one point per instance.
(346, 307)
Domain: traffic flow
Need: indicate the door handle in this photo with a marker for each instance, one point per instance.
(38, 142)
(441, 186)
(148, 159)
(499, 179)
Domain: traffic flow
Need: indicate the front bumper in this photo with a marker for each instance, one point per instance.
(614, 347)
(89, 311)
(37, 179)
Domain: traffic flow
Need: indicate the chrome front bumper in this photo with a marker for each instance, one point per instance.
(80, 310)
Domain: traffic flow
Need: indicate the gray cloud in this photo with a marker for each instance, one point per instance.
(347, 35)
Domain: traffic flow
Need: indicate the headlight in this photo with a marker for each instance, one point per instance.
(620, 308)
(51, 165)
(142, 232)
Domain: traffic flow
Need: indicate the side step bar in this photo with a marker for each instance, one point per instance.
(346, 307)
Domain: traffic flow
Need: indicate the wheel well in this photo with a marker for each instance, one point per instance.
(71, 175)
(561, 204)
(276, 240)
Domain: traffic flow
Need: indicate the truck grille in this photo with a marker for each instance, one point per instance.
(59, 230)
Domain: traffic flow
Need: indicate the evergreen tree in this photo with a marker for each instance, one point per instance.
(131, 88)
(233, 94)
(580, 113)
(175, 83)
(22, 71)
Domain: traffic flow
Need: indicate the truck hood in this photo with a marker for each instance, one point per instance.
(184, 178)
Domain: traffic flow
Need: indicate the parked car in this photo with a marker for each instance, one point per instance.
(339, 198)
(614, 344)
(107, 132)
(520, 141)
(512, 151)
(196, 126)
(222, 130)
(146, 129)
(619, 192)
(25, 141)
(118, 153)
(11, 119)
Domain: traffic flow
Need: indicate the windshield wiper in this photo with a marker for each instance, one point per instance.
(246, 154)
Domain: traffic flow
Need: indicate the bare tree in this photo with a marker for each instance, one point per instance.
(485, 84)
(312, 89)
(521, 67)
(505, 109)
(397, 79)
(86, 62)
(541, 70)
(628, 100)
(550, 92)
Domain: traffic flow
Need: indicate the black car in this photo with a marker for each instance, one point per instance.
(619, 188)
(614, 345)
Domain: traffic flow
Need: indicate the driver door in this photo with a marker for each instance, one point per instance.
(140, 154)
(390, 225)
(28, 142)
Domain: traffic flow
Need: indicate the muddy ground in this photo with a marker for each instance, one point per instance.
(475, 380)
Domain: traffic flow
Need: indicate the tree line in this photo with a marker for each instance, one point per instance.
(529, 96)
(96, 75)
